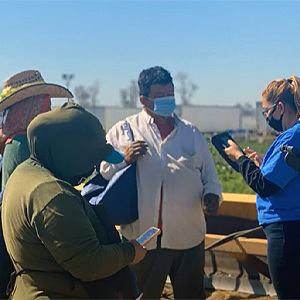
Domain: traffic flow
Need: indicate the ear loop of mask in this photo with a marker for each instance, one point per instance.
(152, 100)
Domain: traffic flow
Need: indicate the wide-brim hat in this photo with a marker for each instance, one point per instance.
(27, 84)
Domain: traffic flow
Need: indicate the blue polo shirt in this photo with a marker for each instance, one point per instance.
(285, 204)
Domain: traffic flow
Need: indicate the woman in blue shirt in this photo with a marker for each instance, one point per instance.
(277, 186)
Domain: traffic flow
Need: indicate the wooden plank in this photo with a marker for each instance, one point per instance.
(233, 205)
(238, 205)
(239, 197)
(251, 246)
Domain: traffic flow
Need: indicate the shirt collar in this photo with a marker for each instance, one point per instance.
(150, 120)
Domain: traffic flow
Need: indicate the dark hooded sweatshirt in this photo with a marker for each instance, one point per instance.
(52, 234)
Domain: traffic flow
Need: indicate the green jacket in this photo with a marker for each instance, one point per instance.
(52, 234)
(15, 153)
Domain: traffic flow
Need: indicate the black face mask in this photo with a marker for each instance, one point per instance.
(275, 124)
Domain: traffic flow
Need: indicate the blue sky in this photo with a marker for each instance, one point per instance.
(230, 49)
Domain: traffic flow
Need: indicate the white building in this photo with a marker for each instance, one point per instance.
(207, 118)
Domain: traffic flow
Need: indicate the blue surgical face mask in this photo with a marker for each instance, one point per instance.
(163, 106)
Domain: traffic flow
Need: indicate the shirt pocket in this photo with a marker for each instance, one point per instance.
(183, 163)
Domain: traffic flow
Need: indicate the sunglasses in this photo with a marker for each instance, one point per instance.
(265, 111)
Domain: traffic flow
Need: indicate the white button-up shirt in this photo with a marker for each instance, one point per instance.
(182, 165)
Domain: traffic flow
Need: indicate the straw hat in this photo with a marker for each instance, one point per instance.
(27, 84)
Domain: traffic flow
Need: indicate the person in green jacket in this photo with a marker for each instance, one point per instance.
(54, 238)
(24, 96)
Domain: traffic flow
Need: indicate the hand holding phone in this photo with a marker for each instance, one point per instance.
(148, 235)
(140, 252)
(233, 152)
(220, 141)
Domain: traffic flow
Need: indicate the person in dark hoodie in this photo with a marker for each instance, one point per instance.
(54, 238)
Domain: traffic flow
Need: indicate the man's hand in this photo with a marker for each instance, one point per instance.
(134, 150)
(211, 204)
(140, 252)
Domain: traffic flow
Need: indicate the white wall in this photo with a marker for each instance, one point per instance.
(261, 124)
(112, 115)
(206, 118)
(248, 123)
(212, 118)
(98, 111)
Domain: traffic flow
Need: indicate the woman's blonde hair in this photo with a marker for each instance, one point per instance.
(284, 90)
(296, 85)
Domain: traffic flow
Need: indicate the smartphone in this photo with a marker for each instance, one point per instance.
(148, 235)
(220, 141)
(224, 140)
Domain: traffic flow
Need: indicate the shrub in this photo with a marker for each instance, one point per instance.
(231, 180)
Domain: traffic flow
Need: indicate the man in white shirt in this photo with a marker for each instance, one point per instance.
(177, 183)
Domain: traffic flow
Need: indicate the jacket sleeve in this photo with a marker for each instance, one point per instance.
(254, 178)
(207, 168)
(65, 229)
